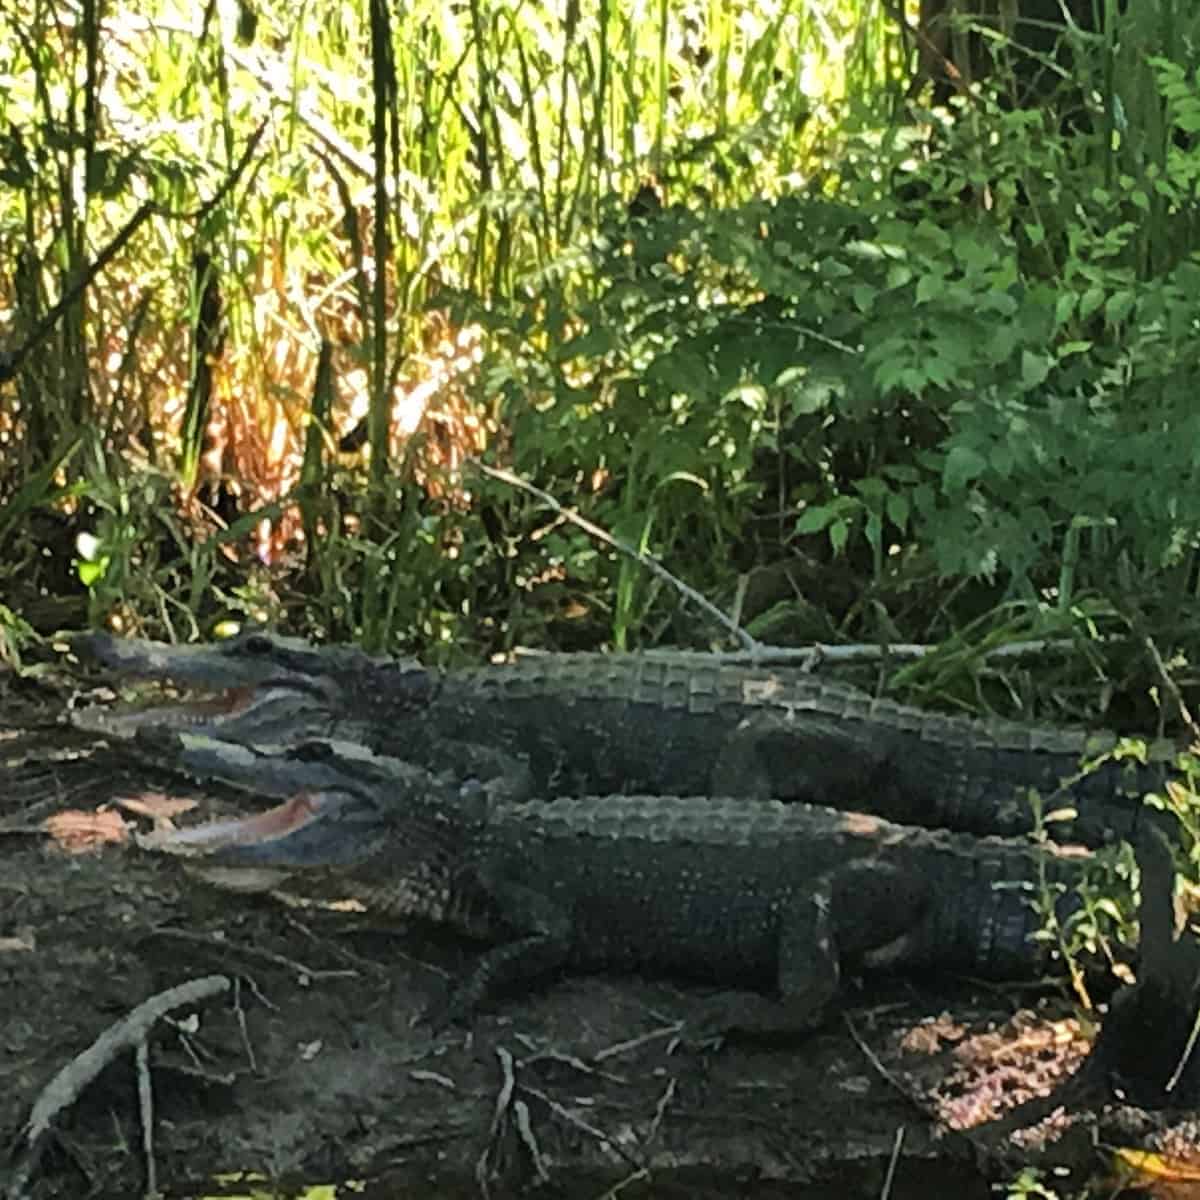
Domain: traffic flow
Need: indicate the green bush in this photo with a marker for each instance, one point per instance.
(965, 370)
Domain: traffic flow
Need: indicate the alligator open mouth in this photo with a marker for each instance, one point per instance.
(253, 854)
(287, 850)
(257, 688)
(249, 710)
(335, 830)
(254, 687)
(276, 825)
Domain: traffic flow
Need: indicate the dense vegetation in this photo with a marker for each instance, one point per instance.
(869, 329)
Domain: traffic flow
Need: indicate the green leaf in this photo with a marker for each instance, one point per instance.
(1119, 306)
(594, 343)
(1090, 301)
(936, 371)
(871, 489)
(863, 297)
(839, 531)
(813, 520)
(930, 287)
(1001, 460)
(1109, 907)
(1034, 369)
(808, 397)
(962, 466)
(1064, 307)
(873, 530)
(898, 509)
(90, 573)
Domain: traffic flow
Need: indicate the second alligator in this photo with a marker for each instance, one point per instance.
(572, 724)
(783, 898)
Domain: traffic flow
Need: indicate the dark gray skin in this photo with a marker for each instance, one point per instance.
(569, 724)
(785, 898)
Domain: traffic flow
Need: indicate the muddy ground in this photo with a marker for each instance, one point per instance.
(313, 1065)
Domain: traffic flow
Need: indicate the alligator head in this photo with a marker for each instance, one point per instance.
(353, 824)
(257, 686)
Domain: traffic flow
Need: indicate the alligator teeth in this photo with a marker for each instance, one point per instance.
(271, 825)
(208, 709)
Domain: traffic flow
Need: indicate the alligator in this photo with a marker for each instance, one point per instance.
(786, 898)
(685, 724)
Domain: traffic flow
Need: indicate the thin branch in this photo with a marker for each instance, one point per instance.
(146, 1115)
(925, 1109)
(225, 947)
(504, 1098)
(652, 565)
(886, 1193)
(10, 361)
(808, 658)
(1169, 683)
(129, 1033)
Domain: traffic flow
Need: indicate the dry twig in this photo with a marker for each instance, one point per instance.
(1172, 687)
(602, 535)
(279, 960)
(129, 1033)
(483, 1164)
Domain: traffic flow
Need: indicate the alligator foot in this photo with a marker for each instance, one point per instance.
(755, 1016)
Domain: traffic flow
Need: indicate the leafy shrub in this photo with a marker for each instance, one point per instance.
(968, 364)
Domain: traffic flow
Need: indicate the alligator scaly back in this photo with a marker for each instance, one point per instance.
(681, 724)
(782, 897)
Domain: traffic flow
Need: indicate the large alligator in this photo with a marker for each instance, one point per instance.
(782, 897)
(631, 723)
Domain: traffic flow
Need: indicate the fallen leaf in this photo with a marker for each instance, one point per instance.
(1160, 1166)
(1161, 1176)
(77, 831)
(11, 945)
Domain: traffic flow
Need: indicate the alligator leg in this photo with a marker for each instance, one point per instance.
(541, 946)
(862, 906)
(809, 975)
(800, 756)
(506, 778)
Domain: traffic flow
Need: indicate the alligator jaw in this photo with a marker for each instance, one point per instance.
(266, 712)
(255, 686)
(248, 660)
(297, 846)
(304, 831)
(205, 844)
(349, 819)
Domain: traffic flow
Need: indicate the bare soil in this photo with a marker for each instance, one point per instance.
(314, 1066)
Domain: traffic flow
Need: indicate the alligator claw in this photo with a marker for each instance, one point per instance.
(754, 1015)
(445, 1011)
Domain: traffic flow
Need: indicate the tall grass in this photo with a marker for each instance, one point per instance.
(487, 141)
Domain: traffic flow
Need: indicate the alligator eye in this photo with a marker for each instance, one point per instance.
(257, 643)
